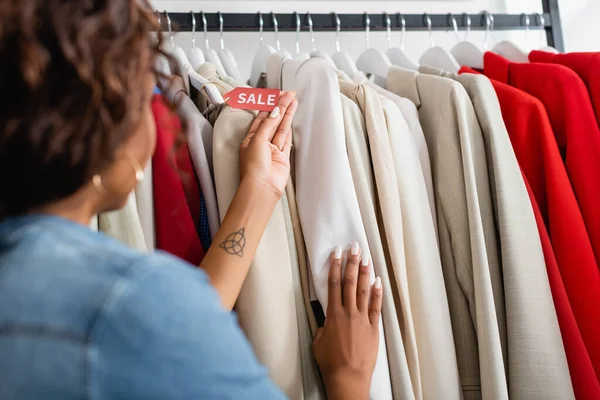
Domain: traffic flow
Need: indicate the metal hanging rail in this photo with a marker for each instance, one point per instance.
(233, 22)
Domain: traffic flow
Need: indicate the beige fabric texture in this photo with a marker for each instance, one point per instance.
(537, 363)
(389, 200)
(467, 232)
(362, 176)
(124, 225)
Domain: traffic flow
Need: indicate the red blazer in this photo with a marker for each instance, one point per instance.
(567, 102)
(586, 65)
(558, 219)
(173, 181)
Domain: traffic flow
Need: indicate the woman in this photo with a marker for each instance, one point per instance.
(82, 316)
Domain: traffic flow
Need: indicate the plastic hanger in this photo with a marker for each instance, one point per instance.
(542, 25)
(467, 53)
(195, 55)
(261, 57)
(397, 55)
(320, 53)
(436, 56)
(342, 60)
(511, 51)
(226, 56)
(211, 55)
(374, 62)
(188, 73)
(162, 64)
(299, 55)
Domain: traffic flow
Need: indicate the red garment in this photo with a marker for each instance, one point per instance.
(563, 235)
(586, 65)
(575, 128)
(174, 224)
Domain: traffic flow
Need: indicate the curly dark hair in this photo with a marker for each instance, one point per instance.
(72, 81)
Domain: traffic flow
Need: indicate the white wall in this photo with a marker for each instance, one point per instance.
(243, 45)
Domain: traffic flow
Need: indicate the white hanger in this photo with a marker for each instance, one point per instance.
(542, 25)
(211, 55)
(374, 62)
(299, 55)
(261, 57)
(277, 43)
(226, 56)
(397, 55)
(342, 60)
(162, 64)
(188, 73)
(320, 53)
(511, 51)
(195, 55)
(436, 56)
(467, 53)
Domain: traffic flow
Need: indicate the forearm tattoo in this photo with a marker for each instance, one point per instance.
(235, 243)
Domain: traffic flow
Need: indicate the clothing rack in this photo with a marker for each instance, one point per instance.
(234, 22)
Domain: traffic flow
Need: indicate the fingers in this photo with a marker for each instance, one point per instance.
(267, 123)
(335, 276)
(364, 286)
(351, 277)
(285, 127)
(376, 302)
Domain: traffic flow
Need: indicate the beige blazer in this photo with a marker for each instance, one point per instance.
(266, 306)
(362, 176)
(537, 364)
(467, 231)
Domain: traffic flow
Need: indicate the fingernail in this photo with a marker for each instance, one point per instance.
(354, 248)
(275, 112)
(338, 252)
(378, 283)
(365, 261)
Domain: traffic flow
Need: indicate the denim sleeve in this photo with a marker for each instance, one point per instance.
(163, 334)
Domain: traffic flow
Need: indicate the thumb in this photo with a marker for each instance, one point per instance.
(319, 334)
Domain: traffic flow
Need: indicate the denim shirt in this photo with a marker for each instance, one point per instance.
(84, 317)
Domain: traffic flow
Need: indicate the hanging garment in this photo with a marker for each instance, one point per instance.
(537, 365)
(429, 303)
(266, 307)
(466, 230)
(94, 223)
(568, 105)
(560, 224)
(586, 65)
(124, 225)
(312, 383)
(369, 103)
(144, 197)
(174, 223)
(198, 129)
(362, 176)
(410, 114)
(326, 197)
(576, 132)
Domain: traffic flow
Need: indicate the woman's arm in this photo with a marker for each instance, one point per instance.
(265, 168)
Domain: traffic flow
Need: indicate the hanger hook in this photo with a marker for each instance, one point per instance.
(193, 29)
(261, 25)
(276, 30)
(338, 29)
(542, 25)
(367, 29)
(169, 28)
(159, 27)
(467, 22)
(205, 26)
(220, 16)
(310, 29)
(452, 21)
(427, 21)
(488, 20)
(388, 29)
(402, 29)
(525, 21)
(298, 29)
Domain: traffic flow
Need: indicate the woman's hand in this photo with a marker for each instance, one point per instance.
(265, 152)
(346, 347)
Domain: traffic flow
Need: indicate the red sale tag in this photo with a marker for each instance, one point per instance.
(252, 99)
